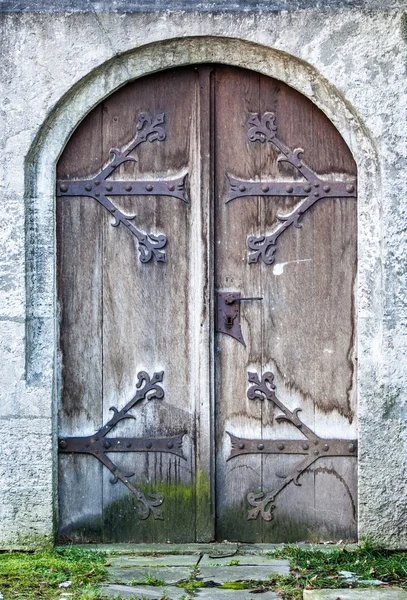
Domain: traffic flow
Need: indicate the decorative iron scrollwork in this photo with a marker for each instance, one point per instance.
(312, 446)
(98, 445)
(99, 187)
(264, 129)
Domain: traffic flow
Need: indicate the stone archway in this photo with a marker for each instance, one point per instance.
(42, 312)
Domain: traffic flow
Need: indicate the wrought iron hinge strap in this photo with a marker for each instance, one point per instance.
(318, 190)
(98, 445)
(89, 187)
(313, 447)
(101, 188)
(95, 445)
(318, 448)
(264, 129)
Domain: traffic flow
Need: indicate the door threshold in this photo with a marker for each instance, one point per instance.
(216, 548)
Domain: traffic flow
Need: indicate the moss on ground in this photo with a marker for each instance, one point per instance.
(236, 585)
(35, 576)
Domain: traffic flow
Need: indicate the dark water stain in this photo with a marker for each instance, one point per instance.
(342, 480)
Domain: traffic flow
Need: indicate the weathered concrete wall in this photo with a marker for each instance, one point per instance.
(138, 6)
(55, 67)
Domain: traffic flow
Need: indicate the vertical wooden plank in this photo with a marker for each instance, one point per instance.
(146, 314)
(79, 260)
(236, 94)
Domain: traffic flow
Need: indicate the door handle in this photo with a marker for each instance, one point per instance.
(228, 314)
(233, 299)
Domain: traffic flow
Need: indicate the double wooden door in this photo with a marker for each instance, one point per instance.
(206, 249)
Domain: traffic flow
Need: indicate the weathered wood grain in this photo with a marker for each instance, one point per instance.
(307, 315)
(119, 316)
(202, 294)
(145, 313)
(288, 331)
(79, 261)
(236, 93)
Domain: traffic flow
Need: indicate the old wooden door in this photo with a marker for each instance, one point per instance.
(194, 331)
(285, 232)
(131, 303)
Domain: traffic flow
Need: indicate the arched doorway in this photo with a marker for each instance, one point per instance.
(149, 302)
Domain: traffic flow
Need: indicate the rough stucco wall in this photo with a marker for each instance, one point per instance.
(138, 6)
(361, 55)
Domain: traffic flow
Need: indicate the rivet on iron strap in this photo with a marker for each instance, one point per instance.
(98, 445)
(264, 129)
(102, 189)
(312, 447)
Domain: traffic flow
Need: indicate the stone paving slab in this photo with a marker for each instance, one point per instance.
(249, 573)
(120, 570)
(190, 560)
(155, 593)
(170, 575)
(214, 594)
(169, 560)
(244, 559)
(142, 591)
(356, 594)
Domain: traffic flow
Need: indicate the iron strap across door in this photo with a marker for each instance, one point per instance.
(99, 446)
(264, 129)
(313, 446)
(101, 188)
(261, 129)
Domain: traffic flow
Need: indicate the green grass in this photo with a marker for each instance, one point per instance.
(191, 584)
(36, 576)
(316, 569)
(148, 579)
